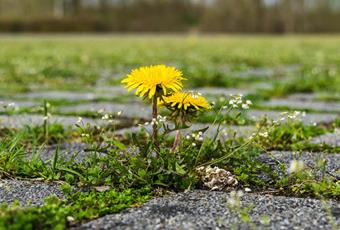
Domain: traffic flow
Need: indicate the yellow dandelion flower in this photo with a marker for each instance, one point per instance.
(147, 80)
(186, 101)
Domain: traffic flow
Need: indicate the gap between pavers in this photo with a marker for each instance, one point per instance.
(28, 192)
(209, 210)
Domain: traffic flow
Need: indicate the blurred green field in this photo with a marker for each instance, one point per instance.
(77, 62)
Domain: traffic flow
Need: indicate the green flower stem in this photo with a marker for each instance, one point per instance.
(154, 126)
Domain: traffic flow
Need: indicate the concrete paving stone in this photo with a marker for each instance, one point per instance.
(81, 151)
(28, 192)
(332, 139)
(313, 96)
(219, 91)
(301, 105)
(115, 90)
(130, 110)
(71, 96)
(308, 119)
(65, 151)
(332, 161)
(22, 120)
(209, 210)
(17, 104)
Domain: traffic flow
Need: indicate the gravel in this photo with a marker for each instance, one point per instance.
(209, 210)
(27, 192)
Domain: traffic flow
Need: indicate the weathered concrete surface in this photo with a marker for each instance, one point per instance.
(301, 105)
(332, 139)
(209, 210)
(130, 110)
(28, 192)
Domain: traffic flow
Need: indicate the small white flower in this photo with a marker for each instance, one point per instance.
(70, 219)
(105, 117)
(245, 106)
(80, 120)
(296, 166)
(119, 113)
(193, 144)
(264, 134)
(248, 102)
(247, 190)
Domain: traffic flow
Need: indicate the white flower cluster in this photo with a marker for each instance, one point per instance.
(289, 115)
(237, 102)
(11, 105)
(195, 136)
(109, 117)
(160, 120)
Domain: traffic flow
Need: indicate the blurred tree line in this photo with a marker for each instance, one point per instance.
(239, 16)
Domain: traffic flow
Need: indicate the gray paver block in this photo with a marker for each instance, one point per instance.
(28, 192)
(332, 139)
(130, 110)
(301, 105)
(209, 210)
